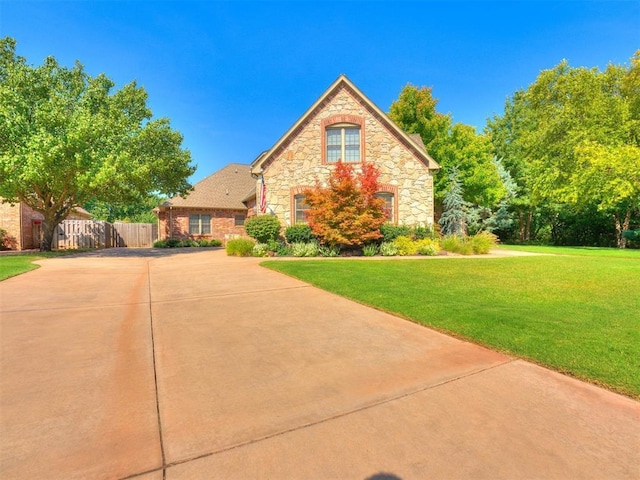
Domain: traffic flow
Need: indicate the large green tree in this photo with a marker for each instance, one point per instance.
(67, 138)
(452, 145)
(571, 139)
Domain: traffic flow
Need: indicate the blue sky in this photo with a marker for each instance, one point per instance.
(233, 76)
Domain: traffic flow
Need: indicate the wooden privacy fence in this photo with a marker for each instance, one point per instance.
(134, 234)
(97, 234)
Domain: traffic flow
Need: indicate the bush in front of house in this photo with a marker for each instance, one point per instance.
(405, 246)
(188, 242)
(240, 247)
(328, 251)
(214, 242)
(482, 242)
(299, 233)
(390, 231)
(478, 244)
(260, 250)
(263, 228)
(370, 250)
(388, 249)
(308, 249)
(428, 247)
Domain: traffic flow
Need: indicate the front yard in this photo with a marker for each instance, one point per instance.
(575, 314)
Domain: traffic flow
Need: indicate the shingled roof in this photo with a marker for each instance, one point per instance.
(226, 189)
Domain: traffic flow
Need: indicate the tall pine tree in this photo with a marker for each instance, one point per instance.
(454, 218)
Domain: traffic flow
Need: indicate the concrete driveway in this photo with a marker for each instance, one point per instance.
(192, 365)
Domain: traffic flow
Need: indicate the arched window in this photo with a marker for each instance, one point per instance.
(389, 204)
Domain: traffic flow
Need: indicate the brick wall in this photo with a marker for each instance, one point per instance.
(174, 223)
(10, 223)
(20, 223)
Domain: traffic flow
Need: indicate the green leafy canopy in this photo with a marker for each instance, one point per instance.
(67, 138)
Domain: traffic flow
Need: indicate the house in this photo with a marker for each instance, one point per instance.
(216, 207)
(342, 125)
(23, 225)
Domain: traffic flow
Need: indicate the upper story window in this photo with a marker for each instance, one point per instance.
(343, 138)
(343, 143)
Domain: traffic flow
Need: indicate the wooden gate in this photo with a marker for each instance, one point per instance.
(134, 234)
(81, 234)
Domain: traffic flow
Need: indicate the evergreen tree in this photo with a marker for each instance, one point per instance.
(454, 217)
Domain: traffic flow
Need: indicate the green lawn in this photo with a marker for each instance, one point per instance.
(576, 314)
(580, 251)
(12, 265)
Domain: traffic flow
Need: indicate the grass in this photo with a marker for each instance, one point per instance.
(576, 314)
(580, 251)
(12, 265)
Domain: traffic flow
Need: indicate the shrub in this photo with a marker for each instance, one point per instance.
(405, 246)
(328, 251)
(173, 242)
(388, 249)
(482, 242)
(390, 232)
(299, 233)
(453, 243)
(283, 250)
(263, 228)
(260, 250)
(421, 232)
(240, 247)
(458, 244)
(188, 242)
(428, 246)
(214, 242)
(300, 249)
(370, 250)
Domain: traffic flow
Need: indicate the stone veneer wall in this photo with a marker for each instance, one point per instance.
(222, 223)
(300, 163)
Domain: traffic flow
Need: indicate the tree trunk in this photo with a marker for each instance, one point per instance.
(621, 227)
(48, 230)
(49, 225)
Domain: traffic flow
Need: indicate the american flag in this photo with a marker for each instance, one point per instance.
(263, 196)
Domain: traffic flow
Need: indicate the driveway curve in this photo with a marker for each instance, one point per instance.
(189, 364)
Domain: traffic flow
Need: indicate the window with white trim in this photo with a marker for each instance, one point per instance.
(199, 224)
(301, 208)
(389, 205)
(343, 143)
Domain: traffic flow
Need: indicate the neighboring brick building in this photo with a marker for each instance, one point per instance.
(23, 225)
(216, 208)
(342, 125)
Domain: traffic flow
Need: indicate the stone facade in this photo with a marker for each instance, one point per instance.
(299, 161)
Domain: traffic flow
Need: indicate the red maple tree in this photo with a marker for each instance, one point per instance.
(347, 213)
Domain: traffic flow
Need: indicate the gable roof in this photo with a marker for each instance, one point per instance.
(413, 143)
(226, 189)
